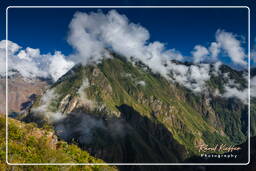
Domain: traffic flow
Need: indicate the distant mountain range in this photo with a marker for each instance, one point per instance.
(22, 91)
(123, 112)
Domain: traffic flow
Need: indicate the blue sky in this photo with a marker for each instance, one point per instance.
(182, 29)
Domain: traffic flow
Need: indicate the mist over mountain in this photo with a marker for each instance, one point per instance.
(94, 35)
(125, 99)
(104, 106)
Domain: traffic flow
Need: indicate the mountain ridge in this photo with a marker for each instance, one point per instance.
(98, 91)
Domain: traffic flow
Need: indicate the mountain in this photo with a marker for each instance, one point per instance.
(29, 144)
(243, 155)
(22, 92)
(122, 112)
(253, 106)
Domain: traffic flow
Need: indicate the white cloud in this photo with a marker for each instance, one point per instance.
(175, 55)
(253, 87)
(43, 109)
(231, 92)
(216, 66)
(92, 33)
(232, 89)
(30, 63)
(29, 53)
(141, 83)
(12, 48)
(232, 46)
(253, 55)
(59, 65)
(253, 51)
(192, 77)
(225, 42)
(83, 96)
(26, 68)
(215, 50)
(2, 62)
(199, 53)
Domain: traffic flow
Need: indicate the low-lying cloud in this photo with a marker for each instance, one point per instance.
(93, 35)
(233, 92)
(192, 77)
(83, 127)
(253, 86)
(44, 111)
(232, 47)
(199, 52)
(226, 44)
(30, 63)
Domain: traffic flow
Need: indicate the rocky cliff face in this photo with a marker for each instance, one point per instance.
(22, 92)
(122, 112)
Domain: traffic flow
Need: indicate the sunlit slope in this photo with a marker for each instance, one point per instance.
(116, 88)
(29, 144)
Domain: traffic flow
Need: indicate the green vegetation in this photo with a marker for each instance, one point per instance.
(115, 82)
(191, 125)
(191, 119)
(253, 117)
(29, 144)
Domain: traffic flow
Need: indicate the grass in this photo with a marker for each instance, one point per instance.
(115, 84)
(126, 91)
(29, 144)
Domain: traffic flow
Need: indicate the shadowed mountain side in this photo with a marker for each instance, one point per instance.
(132, 138)
(122, 112)
(243, 155)
(29, 144)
